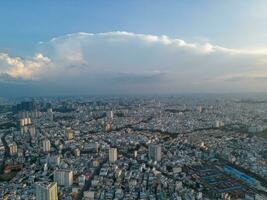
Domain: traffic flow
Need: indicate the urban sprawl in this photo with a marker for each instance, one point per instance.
(127, 148)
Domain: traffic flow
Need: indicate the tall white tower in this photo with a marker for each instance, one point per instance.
(46, 145)
(46, 191)
(113, 155)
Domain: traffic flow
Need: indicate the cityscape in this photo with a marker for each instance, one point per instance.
(133, 100)
(172, 147)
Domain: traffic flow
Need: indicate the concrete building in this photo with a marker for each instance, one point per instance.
(81, 180)
(69, 134)
(113, 155)
(50, 114)
(46, 191)
(110, 114)
(92, 147)
(46, 145)
(154, 152)
(12, 149)
(63, 177)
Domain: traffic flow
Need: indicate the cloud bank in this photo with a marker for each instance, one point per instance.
(123, 62)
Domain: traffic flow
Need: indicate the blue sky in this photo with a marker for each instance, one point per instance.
(230, 23)
(235, 25)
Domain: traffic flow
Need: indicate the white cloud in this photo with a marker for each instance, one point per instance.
(17, 67)
(166, 63)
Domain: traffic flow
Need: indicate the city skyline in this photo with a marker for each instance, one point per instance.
(133, 100)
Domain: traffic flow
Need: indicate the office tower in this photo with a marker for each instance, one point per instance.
(69, 134)
(110, 114)
(46, 145)
(113, 155)
(154, 152)
(46, 191)
(12, 149)
(50, 114)
(63, 177)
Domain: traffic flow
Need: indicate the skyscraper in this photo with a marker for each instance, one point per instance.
(113, 155)
(154, 152)
(110, 114)
(46, 191)
(69, 133)
(63, 177)
(50, 114)
(46, 145)
(12, 149)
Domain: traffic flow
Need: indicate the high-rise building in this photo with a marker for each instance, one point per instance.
(50, 114)
(12, 149)
(69, 134)
(113, 155)
(46, 191)
(63, 177)
(110, 114)
(154, 152)
(46, 145)
(22, 122)
(25, 121)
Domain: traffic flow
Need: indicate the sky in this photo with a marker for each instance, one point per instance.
(132, 47)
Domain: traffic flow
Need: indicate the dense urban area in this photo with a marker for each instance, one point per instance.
(126, 148)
